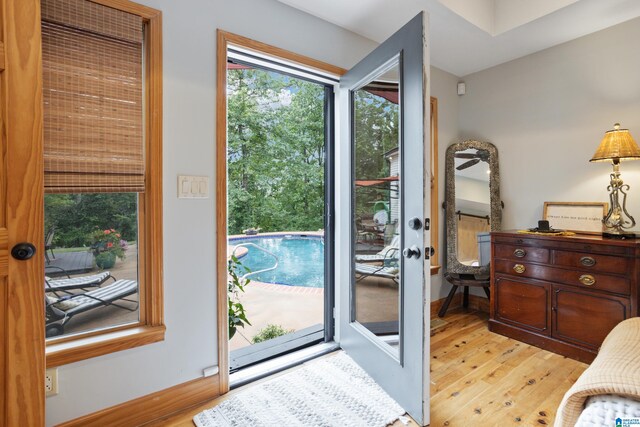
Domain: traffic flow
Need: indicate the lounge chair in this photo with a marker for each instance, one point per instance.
(367, 270)
(387, 253)
(48, 244)
(59, 311)
(81, 282)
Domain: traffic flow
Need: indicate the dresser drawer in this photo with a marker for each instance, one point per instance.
(592, 247)
(592, 262)
(522, 253)
(581, 278)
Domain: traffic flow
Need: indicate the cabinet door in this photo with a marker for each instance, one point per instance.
(522, 303)
(585, 318)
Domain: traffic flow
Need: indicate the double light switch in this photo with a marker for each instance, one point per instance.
(193, 187)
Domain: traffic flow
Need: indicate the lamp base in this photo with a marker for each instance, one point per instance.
(620, 236)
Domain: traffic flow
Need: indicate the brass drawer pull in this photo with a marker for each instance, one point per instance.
(587, 261)
(520, 253)
(587, 280)
(519, 268)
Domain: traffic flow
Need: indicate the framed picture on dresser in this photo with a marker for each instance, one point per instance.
(579, 217)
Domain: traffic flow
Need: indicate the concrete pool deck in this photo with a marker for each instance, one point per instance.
(292, 307)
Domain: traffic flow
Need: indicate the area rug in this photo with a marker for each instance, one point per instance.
(332, 391)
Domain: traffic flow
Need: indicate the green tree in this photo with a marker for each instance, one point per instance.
(376, 133)
(76, 217)
(276, 150)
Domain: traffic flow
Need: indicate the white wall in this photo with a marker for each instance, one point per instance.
(472, 190)
(443, 87)
(547, 112)
(189, 233)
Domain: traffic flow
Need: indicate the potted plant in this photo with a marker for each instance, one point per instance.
(107, 245)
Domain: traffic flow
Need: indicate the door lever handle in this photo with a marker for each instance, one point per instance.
(412, 252)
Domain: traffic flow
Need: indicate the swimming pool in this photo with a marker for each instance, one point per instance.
(300, 259)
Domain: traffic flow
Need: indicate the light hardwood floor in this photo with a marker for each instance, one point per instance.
(479, 378)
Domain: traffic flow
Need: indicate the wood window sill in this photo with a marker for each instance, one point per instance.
(65, 352)
(435, 269)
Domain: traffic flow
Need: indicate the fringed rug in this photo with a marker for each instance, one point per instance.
(332, 391)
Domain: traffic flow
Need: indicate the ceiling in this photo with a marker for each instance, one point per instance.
(472, 35)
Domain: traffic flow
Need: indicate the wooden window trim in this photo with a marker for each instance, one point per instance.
(151, 327)
(435, 210)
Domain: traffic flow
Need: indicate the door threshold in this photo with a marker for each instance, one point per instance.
(278, 364)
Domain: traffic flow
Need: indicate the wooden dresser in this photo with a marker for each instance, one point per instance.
(563, 294)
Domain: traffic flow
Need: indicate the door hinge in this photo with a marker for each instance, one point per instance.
(427, 224)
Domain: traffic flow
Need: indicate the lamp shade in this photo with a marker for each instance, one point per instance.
(617, 144)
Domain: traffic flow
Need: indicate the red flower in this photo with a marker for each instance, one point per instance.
(109, 244)
(113, 230)
(118, 235)
(106, 232)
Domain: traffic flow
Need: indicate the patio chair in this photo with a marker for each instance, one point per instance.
(48, 245)
(368, 270)
(387, 253)
(59, 311)
(71, 283)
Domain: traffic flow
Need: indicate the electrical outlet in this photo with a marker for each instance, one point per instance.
(51, 382)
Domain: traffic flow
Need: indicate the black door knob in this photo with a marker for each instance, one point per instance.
(415, 223)
(412, 252)
(23, 251)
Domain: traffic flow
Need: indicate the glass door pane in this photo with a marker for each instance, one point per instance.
(377, 206)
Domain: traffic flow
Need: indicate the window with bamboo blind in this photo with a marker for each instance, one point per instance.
(102, 91)
(92, 59)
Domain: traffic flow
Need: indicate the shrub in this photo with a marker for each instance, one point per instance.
(270, 332)
(235, 285)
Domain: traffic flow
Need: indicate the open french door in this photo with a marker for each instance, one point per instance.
(22, 357)
(384, 104)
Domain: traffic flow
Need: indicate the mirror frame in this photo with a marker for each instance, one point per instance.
(451, 231)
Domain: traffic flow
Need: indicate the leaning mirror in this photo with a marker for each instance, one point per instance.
(472, 206)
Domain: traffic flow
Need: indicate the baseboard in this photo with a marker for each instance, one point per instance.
(479, 303)
(153, 406)
(475, 303)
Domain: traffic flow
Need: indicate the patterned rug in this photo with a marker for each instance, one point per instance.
(332, 391)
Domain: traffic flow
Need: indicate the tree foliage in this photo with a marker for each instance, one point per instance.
(376, 133)
(276, 150)
(76, 217)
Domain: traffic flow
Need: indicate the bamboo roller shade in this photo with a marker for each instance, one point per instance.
(93, 98)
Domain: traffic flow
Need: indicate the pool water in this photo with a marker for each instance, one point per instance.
(300, 260)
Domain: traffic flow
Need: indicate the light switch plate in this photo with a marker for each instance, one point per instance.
(193, 187)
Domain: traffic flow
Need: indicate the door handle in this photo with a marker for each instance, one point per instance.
(412, 252)
(23, 251)
(415, 223)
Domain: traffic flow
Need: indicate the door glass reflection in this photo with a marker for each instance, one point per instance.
(377, 206)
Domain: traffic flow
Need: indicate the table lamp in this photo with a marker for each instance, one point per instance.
(617, 145)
